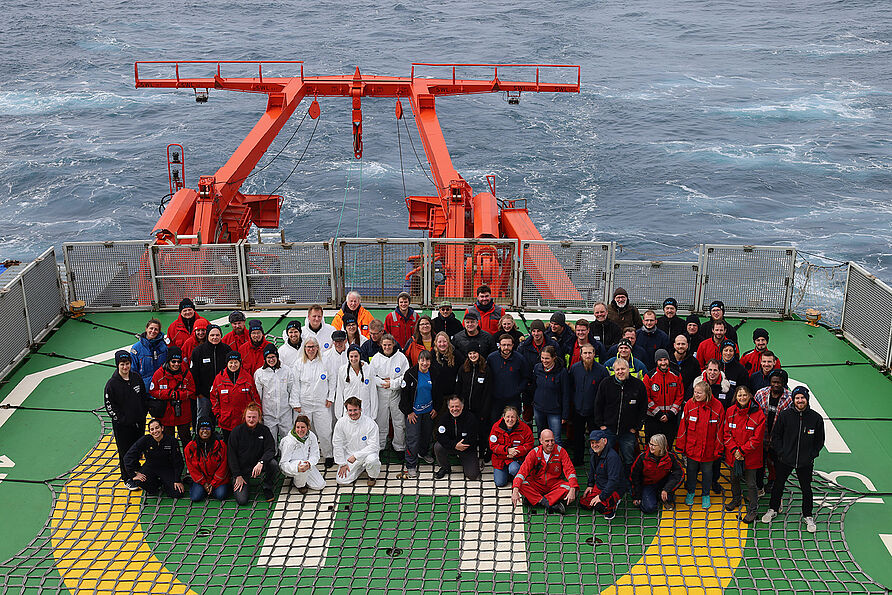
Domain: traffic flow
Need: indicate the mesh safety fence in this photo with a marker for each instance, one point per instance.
(210, 274)
(867, 314)
(416, 536)
(110, 275)
(569, 275)
(651, 282)
(288, 274)
(751, 280)
(381, 269)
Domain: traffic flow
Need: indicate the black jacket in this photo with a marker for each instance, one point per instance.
(607, 332)
(672, 326)
(444, 374)
(450, 325)
(473, 388)
(462, 343)
(247, 447)
(649, 342)
(736, 374)
(688, 369)
(621, 406)
(410, 384)
(564, 341)
(798, 436)
(125, 400)
(584, 386)
(452, 429)
(164, 455)
(207, 361)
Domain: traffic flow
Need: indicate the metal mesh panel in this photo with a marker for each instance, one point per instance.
(750, 280)
(15, 334)
(109, 274)
(210, 274)
(482, 262)
(41, 283)
(380, 269)
(867, 313)
(819, 284)
(566, 275)
(651, 282)
(289, 274)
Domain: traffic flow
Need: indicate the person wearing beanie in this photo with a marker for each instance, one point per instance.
(665, 398)
(125, 402)
(773, 399)
(181, 328)
(233, 390)
(559, 332)
(299, 456)
(150, 352)
(401, 322)
(731, 366)
(252, 351)
(445, 320)
(163, 464)
(717, 313)
(173, 386)
(751, 360)
(625, 350)
(199, 335)
(352, 305)
(472, 335)
(744, 434)
(355, 379)
(797, 440)
(621, 312)
(238, 336)
(489, 313)
(692, 332)
(291, 350)
(649, 339)
(279, 393)
(602, 328)
(670, 323)
(206, 463)
(351, 327)
(208, 360)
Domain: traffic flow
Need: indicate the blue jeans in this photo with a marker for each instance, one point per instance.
(626, 443)
(550, 421)
(503, 476)
(198, 494)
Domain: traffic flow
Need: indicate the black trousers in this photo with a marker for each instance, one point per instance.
(268, 478)
(125, 437)
(469, 461)
(582, 428)
(160, 479)
(653, 425)
(804, 474)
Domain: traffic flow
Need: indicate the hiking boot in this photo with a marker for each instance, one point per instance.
(412, 473)
(749, 517)
(441, 473)
(427, 459)
(733, 504)
(810, 525)
(558, 507)
(268, 495)
(769, 516)
(717, 489)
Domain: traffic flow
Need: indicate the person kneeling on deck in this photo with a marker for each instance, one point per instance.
(655, 476)
(457, 435)
(206, 463)
(605, 477)
(547, 476)
(797, 438)
(163, 462)
(355, 445)
(300, 454)
(252, 453)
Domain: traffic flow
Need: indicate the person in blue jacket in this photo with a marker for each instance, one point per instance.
(585, 376)
(606, 477)
(551, 393)
(150, 352)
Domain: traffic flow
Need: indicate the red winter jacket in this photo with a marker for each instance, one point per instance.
(169, 387)
(535, 469)
(489, 319)
(501, 439)
(700, 430)
(744, 431)
(752, 361)
(252, 357)
(236, 340)
(207, 467)
(401, 327)
(665, 393)
(228, 399)
(177, 333)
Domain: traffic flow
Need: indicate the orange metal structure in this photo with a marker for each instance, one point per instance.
(218, 212)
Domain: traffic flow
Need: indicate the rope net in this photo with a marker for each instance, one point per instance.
(419, 535)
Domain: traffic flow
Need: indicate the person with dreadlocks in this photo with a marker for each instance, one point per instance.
(206, 463)
(279, 393)
(299, 456)
(181, 328)
(356, 379)
(252, 351)
(173, 384)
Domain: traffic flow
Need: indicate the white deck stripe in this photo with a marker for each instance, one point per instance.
(887, 541)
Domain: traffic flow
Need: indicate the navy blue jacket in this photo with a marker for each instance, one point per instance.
(529, 352)
(607, 472)
(584, 386)
(637, 353)
(508, 377)
(552, 390)
(649, 342)
(565, 341)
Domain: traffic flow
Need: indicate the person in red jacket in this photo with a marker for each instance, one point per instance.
(401, 322)
(173, 383)
(199, 335)
(665, 398)
(238, 336)
(700, 439)
(510, 441)
(233, 390)
(547, 476)
(712, 349)
(751, 360)
(655, 476)
(181, 328)
(490, 314)
(252, 351)
(744, 433)
(206, 462)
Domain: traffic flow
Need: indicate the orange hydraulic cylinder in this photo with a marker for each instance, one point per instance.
(486, 216)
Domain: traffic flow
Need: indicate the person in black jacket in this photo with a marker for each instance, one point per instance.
(208, 360)
(602, 328)
(446, 321)
(585, 377)
(125, 402)
(620, 407)
(670, 323)
(735, 373)
(473, 389)
(472, 335)
(421, 403)
(684, 364)
(559, 332)
(457, 435)
(163, 462)
(252, 453)
(510, 375)
(797, 439)
(692, 332)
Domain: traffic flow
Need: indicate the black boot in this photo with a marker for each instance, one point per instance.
(329, 462)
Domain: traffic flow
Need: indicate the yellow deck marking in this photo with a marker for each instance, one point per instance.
(97, 538)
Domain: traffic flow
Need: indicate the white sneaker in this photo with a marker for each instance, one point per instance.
(412, 472)
(810, 525)
(769, 516)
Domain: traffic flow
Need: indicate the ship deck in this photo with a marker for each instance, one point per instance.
(69, 525)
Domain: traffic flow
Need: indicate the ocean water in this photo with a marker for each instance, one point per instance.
(699, 121)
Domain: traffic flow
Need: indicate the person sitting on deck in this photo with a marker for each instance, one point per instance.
(401, 322)
(486, 309)
(655, 476)
(751, 360)
(163, 466)
(352, 305)
(510, 440)
(621, 312)
(300, 455)
(744, 434)
(207, 465)
(649, 339)
(457, 435)
(252, 351)
(546, 477)
(355, 444)
(670, 323)
(446, 321)
(238, 336)
(181, 328)
(252, 453)
(605, 477)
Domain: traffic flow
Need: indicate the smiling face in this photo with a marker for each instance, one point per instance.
(600, 312)
(680, 345)
(456, 407)
(252, 418)
(800, 402)
(352, 301)
(424, 327)
(233, 365)
(650, 320)
(215, 336)
(713, 374)
(621, 369)
(510, 418)
(256, 335)
(152, 330)
(314, 318)
(581, 333)
(187, 312)
(484, 297)
(546, 439)
(621, 301)
(353, 357)
(505, 347)
(403, 303)
(442, 343)
(301, 429)
(293, 334)
(271, 359)
(155, 430)
(669, 310)
(470, 323)
(353, 412)
(388, 347)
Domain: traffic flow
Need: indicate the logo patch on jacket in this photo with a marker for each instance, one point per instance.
(397, 368)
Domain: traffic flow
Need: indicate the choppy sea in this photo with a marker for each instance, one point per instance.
(698, 121)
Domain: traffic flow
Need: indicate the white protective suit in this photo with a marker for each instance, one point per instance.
(358, 439)
(333, 362)
(276, 387)
(392, 367)
(361, 386)
(323, 335)
(294, 452)
(312, 393)
(291, 356)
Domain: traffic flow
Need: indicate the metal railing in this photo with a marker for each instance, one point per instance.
(31, 305)
(867, 314)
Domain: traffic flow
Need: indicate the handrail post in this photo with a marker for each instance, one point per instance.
(177, 69)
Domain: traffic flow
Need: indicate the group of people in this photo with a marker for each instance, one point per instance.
(436, 388)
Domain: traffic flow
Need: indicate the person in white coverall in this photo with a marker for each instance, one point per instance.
(293, 348)
(355, 379)
(355, 444)
(334, 359)
(388, 366)
(312, 396)
(277, 389)
(316, 327)
(300, 454)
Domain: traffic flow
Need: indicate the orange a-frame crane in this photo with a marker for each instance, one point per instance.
(219, 212)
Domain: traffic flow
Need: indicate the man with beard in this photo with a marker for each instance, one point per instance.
(665, 399)
(252, 352)
(490, 314)
(684, 364)
(180, 329)
(621, 312)
(670, 323)
(353, 306)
